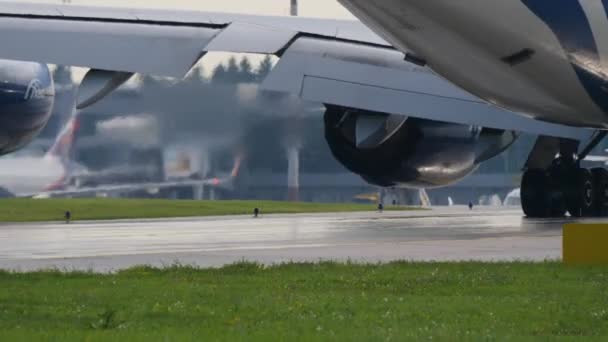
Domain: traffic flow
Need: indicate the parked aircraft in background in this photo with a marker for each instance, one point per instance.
(389, 117)
(198, 186)
(24, 175)
(56, 174)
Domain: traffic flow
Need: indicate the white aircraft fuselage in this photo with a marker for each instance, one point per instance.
(25, 176)
(546, 59)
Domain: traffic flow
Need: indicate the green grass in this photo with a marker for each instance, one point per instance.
(338, 302)
(30, 210)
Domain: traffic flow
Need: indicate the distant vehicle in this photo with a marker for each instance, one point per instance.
(450, 202)
(598, 158)
(373, 197)
(513, 198)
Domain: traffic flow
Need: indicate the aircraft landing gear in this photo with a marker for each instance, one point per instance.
(550, 193)
(566, 187)
(600, 190)
(541, 193)
(579, 193)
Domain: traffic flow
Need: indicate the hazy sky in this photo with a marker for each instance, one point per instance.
(311, 8)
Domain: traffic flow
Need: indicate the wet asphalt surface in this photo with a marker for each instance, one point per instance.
(442, 234)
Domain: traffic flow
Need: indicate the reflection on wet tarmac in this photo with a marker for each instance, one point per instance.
(442, 234)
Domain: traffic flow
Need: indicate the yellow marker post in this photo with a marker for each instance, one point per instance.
(585, 244)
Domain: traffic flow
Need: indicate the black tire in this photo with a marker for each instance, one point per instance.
(534, 190)
(556, 198)
(579, 193)
(600, 187)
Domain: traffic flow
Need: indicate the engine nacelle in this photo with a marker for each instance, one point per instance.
(27, 95)
(393, 150)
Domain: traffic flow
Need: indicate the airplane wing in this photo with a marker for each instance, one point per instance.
(330, 61)
(160, 42)
(122, 188)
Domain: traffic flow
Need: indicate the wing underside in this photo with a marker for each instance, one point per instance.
(330, 61)
(158, 42)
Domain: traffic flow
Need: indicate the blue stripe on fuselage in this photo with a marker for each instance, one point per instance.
(567, 19)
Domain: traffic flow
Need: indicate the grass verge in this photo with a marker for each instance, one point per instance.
(30, 210)
(327, 301)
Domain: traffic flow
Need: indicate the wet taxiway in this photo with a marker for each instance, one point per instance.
(443, 234)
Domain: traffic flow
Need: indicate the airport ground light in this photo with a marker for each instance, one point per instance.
(30, 210)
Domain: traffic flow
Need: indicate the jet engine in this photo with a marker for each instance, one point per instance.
(27, 95)
(394, 150)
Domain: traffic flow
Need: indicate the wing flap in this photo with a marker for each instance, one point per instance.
(429, 107)
(250, 38)
(393, 86)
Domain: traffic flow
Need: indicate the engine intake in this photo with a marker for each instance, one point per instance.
(27, 96)
(393, 150)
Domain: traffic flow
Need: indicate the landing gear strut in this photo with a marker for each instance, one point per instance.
(566, 187)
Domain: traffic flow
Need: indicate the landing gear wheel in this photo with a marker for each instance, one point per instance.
(579, 194)
(555, 196)
(600, 187)
(534, 199)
